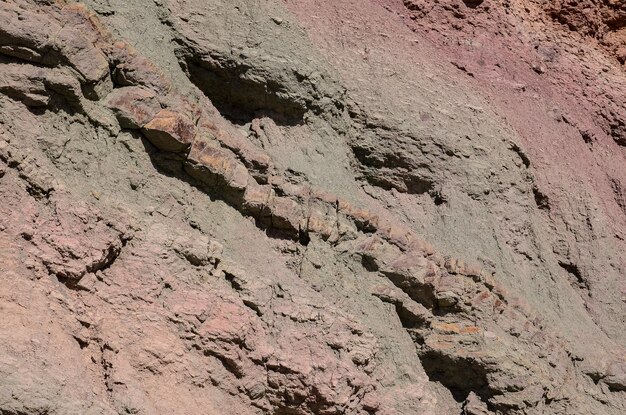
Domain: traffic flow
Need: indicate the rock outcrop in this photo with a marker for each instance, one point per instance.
(308, 209)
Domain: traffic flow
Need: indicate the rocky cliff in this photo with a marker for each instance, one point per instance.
(322, 207)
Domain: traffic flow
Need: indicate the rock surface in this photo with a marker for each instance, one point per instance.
(355, 207)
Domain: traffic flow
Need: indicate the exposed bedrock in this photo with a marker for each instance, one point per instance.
(320, 208)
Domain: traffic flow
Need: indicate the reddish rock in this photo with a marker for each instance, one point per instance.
(131, 68)
(256, 199)
(216, 166)
(48, 38)
(286, 214)
(353, 312)
(170, 131)
(25, 33)
(134, 107)
(89, 61)
(232, 138)
(320, 223)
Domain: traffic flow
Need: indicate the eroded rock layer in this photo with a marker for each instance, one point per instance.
(355, 207)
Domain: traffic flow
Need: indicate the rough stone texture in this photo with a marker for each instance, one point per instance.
(134, 107)
(355, 207)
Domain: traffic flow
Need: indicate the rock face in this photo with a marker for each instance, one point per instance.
(355, 207)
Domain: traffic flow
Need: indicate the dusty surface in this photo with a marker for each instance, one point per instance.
(322, 207)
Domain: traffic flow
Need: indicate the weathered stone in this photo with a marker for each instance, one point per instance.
(286, 214)
(300, 334)
(35, 86)
(24, 83)
(133, 69)
(24, 33)
(616, 376)
(170, 131)
(322, 224)
(216, 166)
(87, 60)
(49, 39)
(134, 107)
(473, 405)
(256, 198)
(233, 139)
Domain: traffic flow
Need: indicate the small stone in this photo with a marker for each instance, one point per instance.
(255, 390)
(540, 69)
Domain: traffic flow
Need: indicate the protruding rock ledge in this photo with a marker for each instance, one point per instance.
(170, 131)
